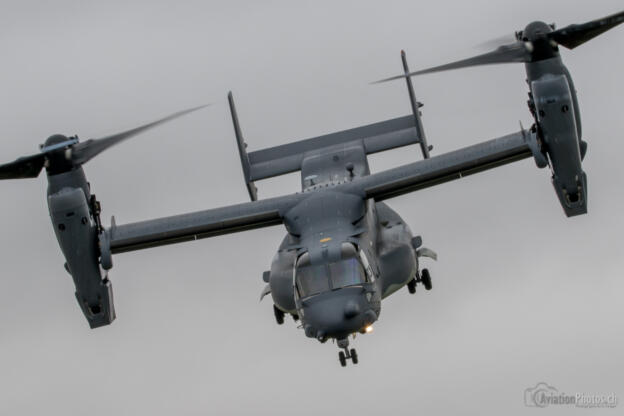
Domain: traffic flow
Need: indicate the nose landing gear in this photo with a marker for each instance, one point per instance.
(347, 354)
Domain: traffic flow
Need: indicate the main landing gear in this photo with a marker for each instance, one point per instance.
(424, 278)
(347, 354)
(279, 315)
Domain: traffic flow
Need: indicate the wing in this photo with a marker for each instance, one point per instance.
(443, 168)
(267, 212)
(202, 224)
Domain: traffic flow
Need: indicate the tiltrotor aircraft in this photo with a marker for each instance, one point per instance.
(345, 250)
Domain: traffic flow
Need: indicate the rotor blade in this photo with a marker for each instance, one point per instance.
(496, 42)
(85, 151)
(574, 35)
(24, 167)
(515, 52)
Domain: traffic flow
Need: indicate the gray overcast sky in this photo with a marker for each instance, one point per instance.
(521, 293)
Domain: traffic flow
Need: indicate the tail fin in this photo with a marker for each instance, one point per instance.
(420, 131)
(242, 151)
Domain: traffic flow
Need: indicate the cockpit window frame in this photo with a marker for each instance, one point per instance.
(367, 267)
(349, 252)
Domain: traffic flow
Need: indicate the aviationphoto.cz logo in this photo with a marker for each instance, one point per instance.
(543, 395)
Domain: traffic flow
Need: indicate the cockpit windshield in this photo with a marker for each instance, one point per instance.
(312, 280)
(346, 272)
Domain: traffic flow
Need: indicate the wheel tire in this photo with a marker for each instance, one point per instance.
(354, 357)
(342, 359)
(411, 286)
(426, 279)
(279, 315)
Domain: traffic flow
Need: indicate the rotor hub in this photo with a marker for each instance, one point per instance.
(55, 139)
(542, 47)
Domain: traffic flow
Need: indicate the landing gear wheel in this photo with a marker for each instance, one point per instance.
(411, 286)
(354, 357)
(279, 315)
(342, 358)
(426, 279)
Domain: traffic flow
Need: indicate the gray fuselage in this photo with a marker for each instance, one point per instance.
(356, 251)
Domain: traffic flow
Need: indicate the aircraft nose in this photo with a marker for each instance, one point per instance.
(337, 314)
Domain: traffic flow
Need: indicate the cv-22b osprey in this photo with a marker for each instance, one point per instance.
(345, 250)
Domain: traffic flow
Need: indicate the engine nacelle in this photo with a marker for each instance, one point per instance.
(557, 127)
(77, 234)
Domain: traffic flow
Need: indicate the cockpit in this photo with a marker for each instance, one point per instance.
(314, 279)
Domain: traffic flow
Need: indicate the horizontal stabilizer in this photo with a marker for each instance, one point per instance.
(287, 158)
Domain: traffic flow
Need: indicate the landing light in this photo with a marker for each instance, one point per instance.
(368, 329)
